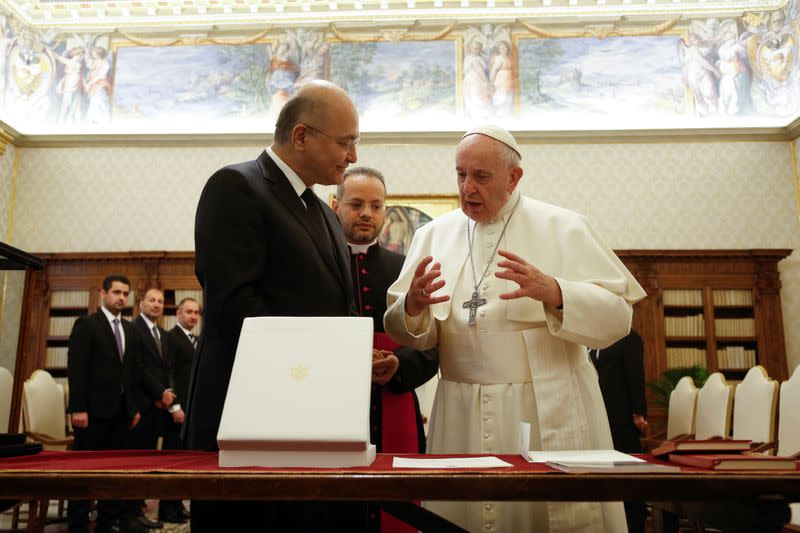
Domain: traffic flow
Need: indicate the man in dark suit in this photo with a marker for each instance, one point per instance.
(182, 342)
(103, 368)
(620, 369)
(267, 246)
(395, 419)
(157, 382)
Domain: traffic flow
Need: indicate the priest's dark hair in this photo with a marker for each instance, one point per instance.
(361, 171)
(110, 279)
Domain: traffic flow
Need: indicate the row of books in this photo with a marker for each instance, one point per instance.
(685, 326)
(61, 326)
(65, 299)
(685, 357)
(721, 297)
(736, 357)
(735, 327)
(56, 357)
(733, 298)
(682, 297)
(180, 294)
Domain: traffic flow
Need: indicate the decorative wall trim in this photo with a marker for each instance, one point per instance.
(415, 137)
(5, 139)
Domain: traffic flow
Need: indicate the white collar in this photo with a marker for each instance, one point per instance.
(361, 248)
(186, 331)
(147, 321)
(109, 315)
(294, 180)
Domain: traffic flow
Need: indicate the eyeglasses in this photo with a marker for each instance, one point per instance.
(375, 207)
(348, 144)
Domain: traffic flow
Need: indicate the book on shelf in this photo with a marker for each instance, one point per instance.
(734, 461)
(68, 299)
(180, 294)
(685, 326)
(61, 326)
(685, 357)
(710, 446)
(56, 357)
(682, 297)
(735, 327)
(732, 357)
(733, 298)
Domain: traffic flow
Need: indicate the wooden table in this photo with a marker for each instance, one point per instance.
(381, 483)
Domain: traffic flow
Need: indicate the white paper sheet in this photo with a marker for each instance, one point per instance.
(450, 462)
(586, 458)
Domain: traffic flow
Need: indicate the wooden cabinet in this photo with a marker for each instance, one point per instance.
(69, 287)
(719, 308)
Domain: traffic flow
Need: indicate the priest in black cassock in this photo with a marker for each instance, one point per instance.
(395, 419)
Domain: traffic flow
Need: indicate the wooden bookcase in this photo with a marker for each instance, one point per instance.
(742, 286)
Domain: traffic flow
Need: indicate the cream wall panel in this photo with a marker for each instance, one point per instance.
(659, 195)
(11, 283)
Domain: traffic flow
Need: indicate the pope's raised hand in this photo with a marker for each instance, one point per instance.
(425, 282)
(532, 282)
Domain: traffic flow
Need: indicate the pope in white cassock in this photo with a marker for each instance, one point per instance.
(513, 291)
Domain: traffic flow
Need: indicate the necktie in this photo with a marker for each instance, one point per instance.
(157, 338)
(193, 339)
(315, 216)
(118, 338)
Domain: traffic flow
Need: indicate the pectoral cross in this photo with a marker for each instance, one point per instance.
(472, 304)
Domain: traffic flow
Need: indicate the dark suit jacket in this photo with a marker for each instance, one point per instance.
(157, 375)
(182, 356)
(98, 381)
(256, 254)
(620, 369)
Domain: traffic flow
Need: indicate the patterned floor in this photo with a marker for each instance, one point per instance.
(151, 511)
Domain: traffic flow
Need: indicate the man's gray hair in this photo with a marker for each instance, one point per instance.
(361, 171)
(296, 110)
(507, 154)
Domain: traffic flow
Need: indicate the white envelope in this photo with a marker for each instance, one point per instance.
(299, 394)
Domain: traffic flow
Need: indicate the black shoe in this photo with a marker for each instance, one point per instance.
(171, 514)
(147, 523)
(134, 525)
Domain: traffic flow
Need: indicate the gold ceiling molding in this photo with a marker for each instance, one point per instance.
(601, 32)
(194, 40)
(5, 139)
(391, 35)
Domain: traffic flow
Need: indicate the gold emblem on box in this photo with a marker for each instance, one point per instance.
(299, 373)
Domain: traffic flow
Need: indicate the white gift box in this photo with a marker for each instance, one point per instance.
(299, 394)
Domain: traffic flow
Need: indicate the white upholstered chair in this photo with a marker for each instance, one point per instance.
(44, 411)
(754, 405)
(44, 414)
(789, 428)
(6, 384)
(713, 415)
(682, 404)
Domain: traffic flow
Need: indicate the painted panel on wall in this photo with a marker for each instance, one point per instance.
(617, 76)
(186, 82)
(409, 84)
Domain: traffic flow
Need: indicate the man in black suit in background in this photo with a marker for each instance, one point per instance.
(620, 369)
(182, 342)
(103, 368)
(156, 383)
(267, 246)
